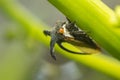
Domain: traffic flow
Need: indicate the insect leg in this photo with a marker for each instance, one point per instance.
(61, 46)
(52, 44)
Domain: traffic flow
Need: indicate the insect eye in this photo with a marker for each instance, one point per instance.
(61, 31)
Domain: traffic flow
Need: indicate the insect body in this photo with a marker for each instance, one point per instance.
(70, 33)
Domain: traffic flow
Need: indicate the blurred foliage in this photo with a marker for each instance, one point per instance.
(23, 47)
(117, 10)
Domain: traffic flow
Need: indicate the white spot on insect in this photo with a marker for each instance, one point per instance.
(66, 32)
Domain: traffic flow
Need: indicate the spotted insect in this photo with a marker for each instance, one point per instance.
(70, 33)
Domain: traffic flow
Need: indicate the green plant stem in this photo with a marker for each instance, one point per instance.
(117, 10)
(95, 17)
(35, 28)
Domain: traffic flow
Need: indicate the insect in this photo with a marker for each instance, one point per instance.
(70, 33)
